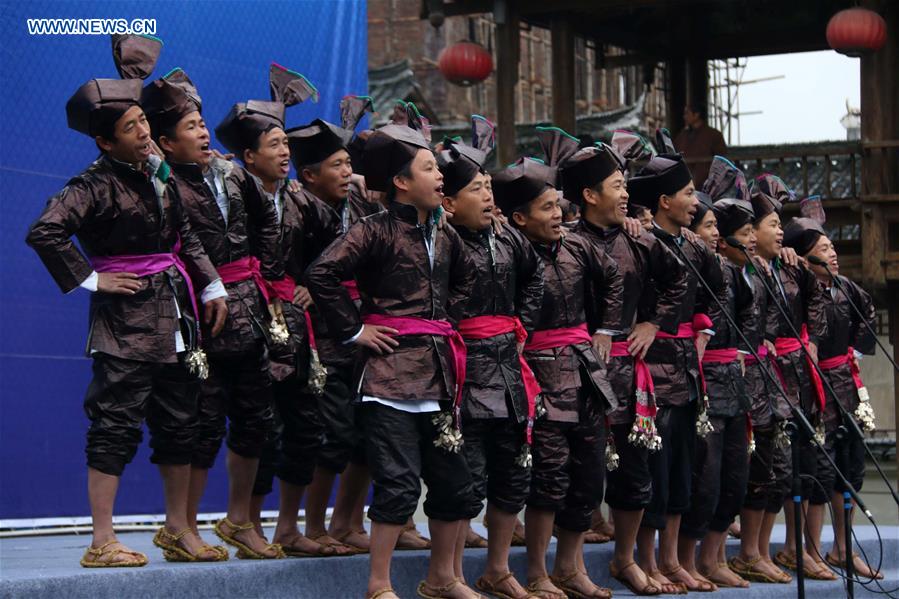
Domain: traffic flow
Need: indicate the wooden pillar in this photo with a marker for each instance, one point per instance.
(563, 73)
(677, 93)
(698, 83)
(507, 51)
(879, 90)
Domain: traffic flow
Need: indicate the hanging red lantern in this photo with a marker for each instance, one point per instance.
(856, 31)
(465, 63)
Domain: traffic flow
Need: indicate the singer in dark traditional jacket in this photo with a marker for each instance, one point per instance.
(238, 230)
(665, 186)
(412, 278)
(569, 437)
(140, 258)
(722, 457)
(654, 284)
(847, 339)
(803, 298)
(254, 131)
(498, 402)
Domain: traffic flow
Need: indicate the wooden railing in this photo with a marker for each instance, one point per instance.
(832, 170)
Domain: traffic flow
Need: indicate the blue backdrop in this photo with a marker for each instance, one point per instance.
(226, 48)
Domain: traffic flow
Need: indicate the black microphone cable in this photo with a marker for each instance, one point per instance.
(847, 417)
(835, 278)
(797, 411)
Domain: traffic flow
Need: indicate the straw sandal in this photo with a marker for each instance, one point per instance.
(244, 550)
(705, 586)
(747, 570)
(174, 551)
(618, 574)
(475, 541)
(412, 540)
(93, 557)
(544, 593)
(381, 593)
(492, 588)
(574, 593)
(426, 591)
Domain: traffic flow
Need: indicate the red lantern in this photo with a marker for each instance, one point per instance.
(465, 63)
(856, 31)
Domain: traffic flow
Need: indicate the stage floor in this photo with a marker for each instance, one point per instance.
(47, 566)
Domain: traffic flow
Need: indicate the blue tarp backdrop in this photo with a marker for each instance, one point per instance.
(226, 48)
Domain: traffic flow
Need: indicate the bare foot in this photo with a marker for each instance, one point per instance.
(691, 579)
(724, 576)
(355, 539)
(112, 552)
(296, 544)
(545, 589)
(454, 589)
(633, 576)
(859, 567)
(580, 584)
(196, 546)
(504, 583)
(668, 586)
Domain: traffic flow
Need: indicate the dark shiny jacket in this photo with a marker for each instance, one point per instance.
(804, 299)
(509, 282)
(114, 210)
(647, 268)
(844, 330)
(332, 351)
(764, 393)
(387, 255)
(251, 230)
(575, 272)
(725, 385)
(674, 363)
(307, 227)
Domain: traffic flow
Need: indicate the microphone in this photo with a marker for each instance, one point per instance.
(817, 261)
(733, 242)
(796, 410)
(839, 284)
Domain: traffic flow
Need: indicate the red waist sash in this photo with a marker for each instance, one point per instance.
(413, 325)
(553, 338)
(484, 327)
(688, 330)
(144, 265)
(720, 356)
(283, 290)
(761, 350)
(788, 345)
(642, 380)
(243, 269)
(847, 358)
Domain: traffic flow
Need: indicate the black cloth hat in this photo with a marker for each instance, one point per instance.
(245, 122)
(634, 149)
(352, 109)
(705, 204)
(588, 167)
(802, 234)
(99, 103)
(725, 180)
(732, 214)
(769, 194)
(519, 183)
(459, 163)
(664, 174)
(169, 99)
(387, 151)
(316, 141)
(558, 146)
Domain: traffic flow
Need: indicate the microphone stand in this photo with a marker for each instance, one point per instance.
(847, 417)
(792, 427)
(842, 434)
(836, 280)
